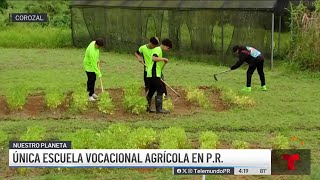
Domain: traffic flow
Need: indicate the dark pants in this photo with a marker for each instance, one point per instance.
(156, 85)
(165, 88)
(91, 82)
(146, 81)
(257, 64)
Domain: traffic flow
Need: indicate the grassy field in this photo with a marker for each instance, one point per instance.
(289, 107)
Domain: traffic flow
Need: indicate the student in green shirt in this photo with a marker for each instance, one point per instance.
(144, 55)
(156, 85)
(90, 63)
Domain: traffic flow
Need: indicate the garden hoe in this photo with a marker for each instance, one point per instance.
(215, 75)
(102, 89)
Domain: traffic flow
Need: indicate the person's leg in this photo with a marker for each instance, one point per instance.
(91, 82)
(250, 71)
(151, 91)
(159, 98)
(88, 82)
(90, 85)
(94, 78)
(261, 75)
(164, 86)
(146, 83)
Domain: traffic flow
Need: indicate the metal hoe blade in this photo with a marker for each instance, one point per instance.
(215, 77)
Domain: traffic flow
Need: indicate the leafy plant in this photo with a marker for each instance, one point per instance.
(244, 101)
(17, 97)
(198, 96)
(141, 138)
(80, 100)
(231, 97)
(280, 142)
(168, 104)
(209, 140)
(174, 138)
(54, 98)
(105, 104)
(133, 89)
(114, 137)
(34, 133)
(237, 144)
(82, 139)
(134, 102)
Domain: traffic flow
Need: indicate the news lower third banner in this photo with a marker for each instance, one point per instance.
(182, 161)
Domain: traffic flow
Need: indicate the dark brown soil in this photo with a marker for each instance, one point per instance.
(4, 110)
(35, 105)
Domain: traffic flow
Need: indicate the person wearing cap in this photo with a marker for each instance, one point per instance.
(156, 84)
(90, 62)
(255, 60)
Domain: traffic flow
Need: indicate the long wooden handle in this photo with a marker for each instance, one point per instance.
(101, 84)
(170, 87)
(102, 89)
(164, 82)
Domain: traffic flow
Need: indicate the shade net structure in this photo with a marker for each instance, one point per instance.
(199, 29)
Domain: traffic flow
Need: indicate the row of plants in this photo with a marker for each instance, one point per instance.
(134, 102)
(120, 136)
(231, 97)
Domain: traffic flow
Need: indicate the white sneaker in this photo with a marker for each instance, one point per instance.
(92, 99)
(95, 96)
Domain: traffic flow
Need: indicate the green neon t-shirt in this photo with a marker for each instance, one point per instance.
(157, 52)
(91, 59)
(147, 57)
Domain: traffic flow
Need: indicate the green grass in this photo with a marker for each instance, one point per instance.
(289, 107)
(23, 36)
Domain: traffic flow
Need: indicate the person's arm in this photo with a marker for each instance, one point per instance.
(155, 58)
(95, 61)
(138, 56)
(242, 58)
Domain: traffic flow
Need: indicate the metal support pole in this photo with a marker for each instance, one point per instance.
(203, 177)
(279, 36)
(222, 38)
(272, 40)
(72, 28)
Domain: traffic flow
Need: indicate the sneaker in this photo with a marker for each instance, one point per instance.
(91, 99)
(264, 88)
(95, 96)
(246, 89)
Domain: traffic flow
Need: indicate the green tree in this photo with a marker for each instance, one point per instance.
(3, 5)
